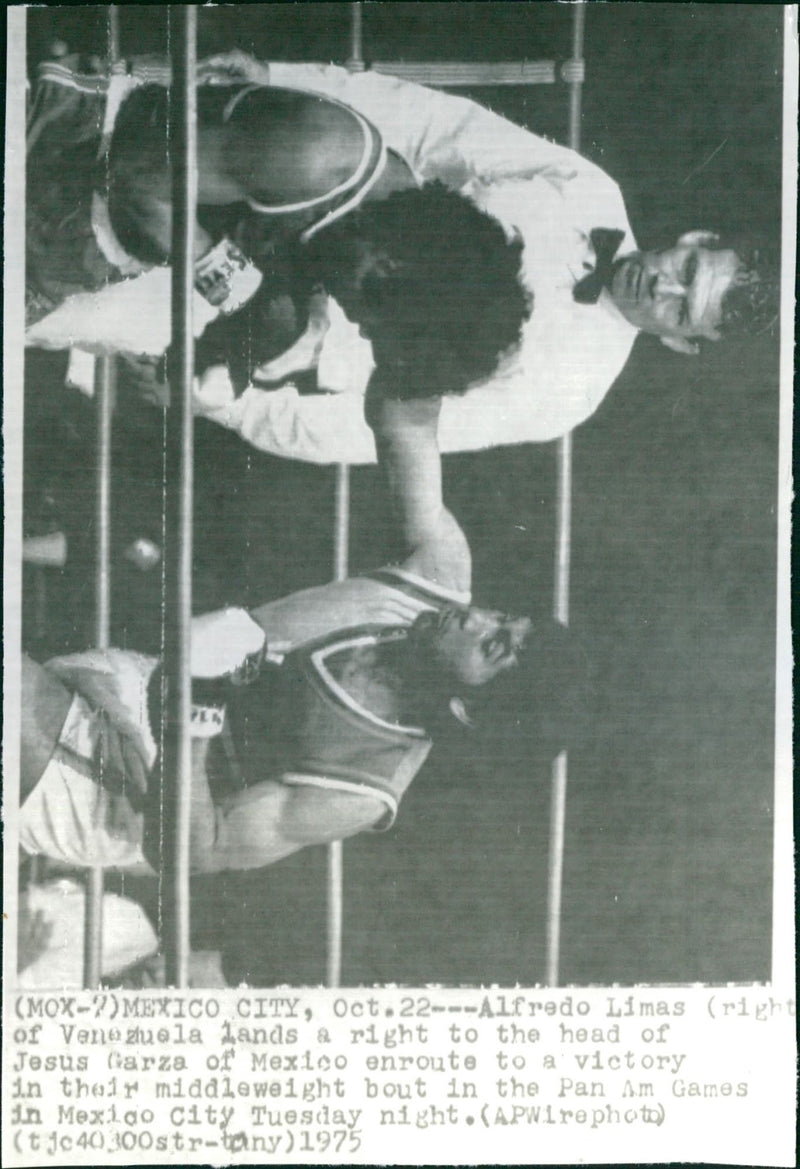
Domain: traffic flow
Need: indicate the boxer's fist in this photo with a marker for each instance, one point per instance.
(227, 650)
(227, 644)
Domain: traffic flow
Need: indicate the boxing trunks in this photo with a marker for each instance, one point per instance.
(71, 815)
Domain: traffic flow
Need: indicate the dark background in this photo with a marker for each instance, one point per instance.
(669, 817)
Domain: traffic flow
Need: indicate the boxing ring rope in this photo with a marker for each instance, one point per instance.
(104, 406)
(335, 871)
(558, 795)
(104, 388)
(341, 546)
(176, 756)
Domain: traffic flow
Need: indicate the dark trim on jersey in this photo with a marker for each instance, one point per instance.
(328, 688)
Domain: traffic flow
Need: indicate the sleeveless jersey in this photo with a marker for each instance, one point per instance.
(298, 725)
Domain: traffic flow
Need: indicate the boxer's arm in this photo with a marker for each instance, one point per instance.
(408, 451)
(269, 821)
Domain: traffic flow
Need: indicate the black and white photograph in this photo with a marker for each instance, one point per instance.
(398, 464)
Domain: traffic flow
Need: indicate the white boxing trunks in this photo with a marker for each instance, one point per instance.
(68, 816)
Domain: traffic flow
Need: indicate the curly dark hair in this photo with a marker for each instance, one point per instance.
(752, 303)
(450, 303)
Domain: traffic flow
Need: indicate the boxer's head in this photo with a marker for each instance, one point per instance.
(495, 673)
(473, 644)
